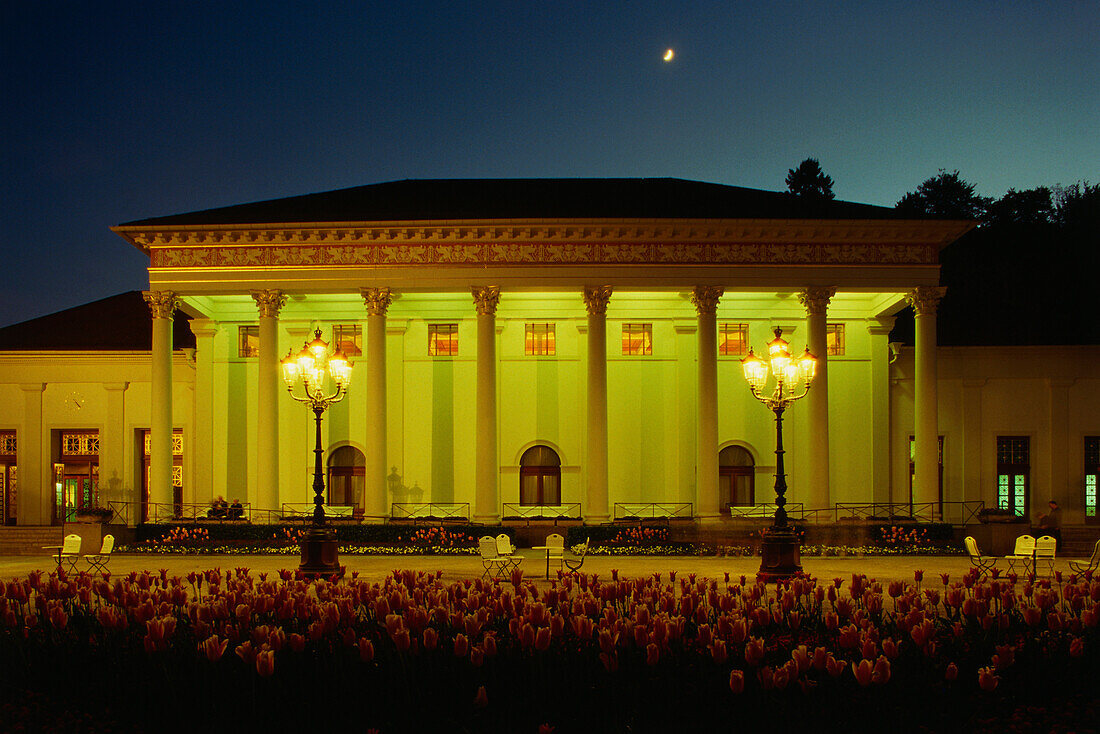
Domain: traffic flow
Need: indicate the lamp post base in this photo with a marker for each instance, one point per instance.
(779, 555)
(320, 554)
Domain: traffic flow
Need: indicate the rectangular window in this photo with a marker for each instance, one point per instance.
(1013, 471)
(442, 340)
(7, 445)
(733, 340)
(1092, 474)
(348, 339)
(539, 340)
(834, 339)
(248, 341)
(80, 444)
(637, 340)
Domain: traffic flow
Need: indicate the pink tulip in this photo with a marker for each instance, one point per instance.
(801, 656)
(652, 654)
(213, 648)
(834, 667)
(477, 656)
(1076, 647)
(246, 653)
(542, 639)
(881, 672)
(461, 645)
(754, 651)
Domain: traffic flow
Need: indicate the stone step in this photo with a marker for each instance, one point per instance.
(28, 541)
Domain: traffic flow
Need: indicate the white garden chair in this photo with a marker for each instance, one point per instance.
(575, 564)
(97, 562)
(1045, 548)
(984, 564)
(506, 550)
(490, 559)
(1092, 564)
(68, 553)
(1023, 553)
(555, 544)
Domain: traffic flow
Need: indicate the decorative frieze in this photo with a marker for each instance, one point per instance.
(486, 299)
(596, 299)
(162, 304)
(925, 299)
(377, 300)
(269, 302)
(816, 299)
(705, 298)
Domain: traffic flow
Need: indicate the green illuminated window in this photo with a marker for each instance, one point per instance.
(1013, 471)
(1092, 473)
(442, 340)
(637, 340)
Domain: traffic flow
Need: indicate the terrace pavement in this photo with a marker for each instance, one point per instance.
(375, 568)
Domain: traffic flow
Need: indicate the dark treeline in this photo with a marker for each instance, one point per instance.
(1028, 273)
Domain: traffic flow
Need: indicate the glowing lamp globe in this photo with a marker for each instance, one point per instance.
(318, 347)
(305, 361)
(340, 369)
(779, 354)
(807, 365)
(290, 369)
(755, 370)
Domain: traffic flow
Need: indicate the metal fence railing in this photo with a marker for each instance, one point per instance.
(956, 513)
(567, 511)
(302, 511)
(433, 511)
(653, 510)
(795, 510)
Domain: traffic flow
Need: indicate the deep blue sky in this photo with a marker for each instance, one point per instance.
(111, 112)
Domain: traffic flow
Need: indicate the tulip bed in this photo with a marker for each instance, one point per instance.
(230, 651)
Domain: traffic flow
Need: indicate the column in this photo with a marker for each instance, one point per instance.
(486, 471)
(816, 302)
(706, 299)
(202, 442)
(375, 505)
(879, 330)
(595, 300)
(112, 444)
(33, 505)
(926, 486)
(268, 302)
(162, 304)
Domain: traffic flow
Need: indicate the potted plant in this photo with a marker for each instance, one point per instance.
(997, 514)
(95, 514)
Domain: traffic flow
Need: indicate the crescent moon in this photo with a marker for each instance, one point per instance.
(668, 55)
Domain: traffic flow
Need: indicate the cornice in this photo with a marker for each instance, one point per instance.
(602, 232)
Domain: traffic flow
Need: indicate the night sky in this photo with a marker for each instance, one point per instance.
(113, 112)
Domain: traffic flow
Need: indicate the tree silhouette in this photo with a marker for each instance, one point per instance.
(946, 196)
(808, 181)
(1031, 206)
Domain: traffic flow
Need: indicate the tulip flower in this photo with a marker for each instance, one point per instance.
(737, 681)
(987, 679)
(297, 642)
(652, 654)
(265, 663)
(481, 700)
(863, 672)
(542, 639)
(881, 672)
(366, 650)
(754, 651)
(477, 656)
(246, 653)
(833, 666)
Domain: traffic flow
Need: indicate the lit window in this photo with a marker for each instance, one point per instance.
(442, 340)
(1013, 470)
(85, 443)
(7, 443)
(733, 339)
(348, 339)
(1092, 473)
(248, 341)
(637, 339)
(834, 339)
(539, 341)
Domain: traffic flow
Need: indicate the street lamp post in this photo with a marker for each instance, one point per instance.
(780, 545)
(319, 549)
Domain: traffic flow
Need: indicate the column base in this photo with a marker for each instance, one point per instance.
(487, 519)
(709, 519)
(320, 554)
(780, 555)
(597, 519)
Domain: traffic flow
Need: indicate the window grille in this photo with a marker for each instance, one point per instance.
(248, 341)
(637, 340)
(442, 340)
(539, 340)
(834, 339)
(348, 338)
(733, 339)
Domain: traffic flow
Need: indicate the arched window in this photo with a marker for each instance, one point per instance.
(540, 477)
(736, 475)
(346, 476)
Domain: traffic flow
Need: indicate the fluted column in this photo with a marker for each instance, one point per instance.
(595, 300)
(706, 299)
(162, 304)
(816, 302)
(925, 301)
(378, 302)
(486, 472)
(268, 303)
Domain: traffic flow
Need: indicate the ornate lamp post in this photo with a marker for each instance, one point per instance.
(780, 545)
(309, 367)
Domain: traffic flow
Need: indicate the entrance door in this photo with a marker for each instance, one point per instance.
(75, 496)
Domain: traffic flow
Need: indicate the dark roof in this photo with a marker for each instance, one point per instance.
(116, 323)
(529, 198)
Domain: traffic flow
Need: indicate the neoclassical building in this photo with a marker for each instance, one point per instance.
(547, 344)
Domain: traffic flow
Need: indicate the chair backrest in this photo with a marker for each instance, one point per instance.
(71, 544)
(504, 545)
(488, 547)
(1045, 546)
(1025, 545)
(1095, 554)
(584, 548)
(555, 540)
(108, 545)
(971, 546)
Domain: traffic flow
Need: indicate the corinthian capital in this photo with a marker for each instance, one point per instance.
(705, 298)
(269, 302)
(486, 298)
(925, 299)
(816, 299)
(596, 298)
(161, 303)
(378, 300)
